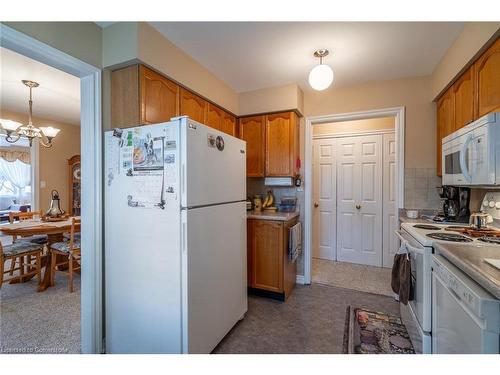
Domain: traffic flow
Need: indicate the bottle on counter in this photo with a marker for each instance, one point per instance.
(257, 202)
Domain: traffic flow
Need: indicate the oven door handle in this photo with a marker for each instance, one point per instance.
(465, 168)
(410, 248)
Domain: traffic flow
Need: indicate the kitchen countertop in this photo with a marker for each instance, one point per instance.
(270, 215)
(469, 258)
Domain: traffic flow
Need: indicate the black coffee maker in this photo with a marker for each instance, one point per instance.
(455, 204)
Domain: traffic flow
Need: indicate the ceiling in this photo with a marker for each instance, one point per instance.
(57, 98)
(254, 55)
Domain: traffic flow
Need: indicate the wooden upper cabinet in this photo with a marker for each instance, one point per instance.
(141, 96)
(229, 124)
(159, 97)
(252, 130)
(463, 95)
(215, 116)
(193, 106)
(487, 80)
(125, 106)
(446, 113)
(445, 123)
(281, 144)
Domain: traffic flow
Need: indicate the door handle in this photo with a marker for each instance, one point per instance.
(316, 204)
(358, 207)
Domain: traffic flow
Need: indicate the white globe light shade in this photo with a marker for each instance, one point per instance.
(321, 77)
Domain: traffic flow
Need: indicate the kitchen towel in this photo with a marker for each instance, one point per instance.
(401, 281)
(295, 242)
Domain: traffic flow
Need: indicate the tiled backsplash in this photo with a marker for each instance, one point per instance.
(420, 188)
(256, 186)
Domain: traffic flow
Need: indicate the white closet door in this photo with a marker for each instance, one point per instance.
(359, 207)
(390, 242)
(324, 198)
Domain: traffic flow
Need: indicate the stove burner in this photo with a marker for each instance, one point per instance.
(456, 227)
(426, 226)
(453, 237)
(490, 239)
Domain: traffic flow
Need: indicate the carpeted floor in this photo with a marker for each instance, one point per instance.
(352, 276)
(47, 322)
(311, 321)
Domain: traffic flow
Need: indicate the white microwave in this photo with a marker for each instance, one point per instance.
(471, 155)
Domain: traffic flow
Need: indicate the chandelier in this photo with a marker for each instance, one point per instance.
(16, 130)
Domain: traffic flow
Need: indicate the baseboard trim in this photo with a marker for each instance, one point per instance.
(300, 279)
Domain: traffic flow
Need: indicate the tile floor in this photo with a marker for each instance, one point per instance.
(352, 276)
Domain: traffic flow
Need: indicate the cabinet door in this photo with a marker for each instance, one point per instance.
(193, 106)
(464, 100)
(125, 111)
(267, 262)
(252, 131)
(445, 123)
(229, 124)
(281, 147)
(215, 117)
(250, 252)
(159, 97)
(487, 81)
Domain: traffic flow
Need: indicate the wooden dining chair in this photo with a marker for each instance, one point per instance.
(25, 257)
(23, 216)
(40, 239)
(70, 250)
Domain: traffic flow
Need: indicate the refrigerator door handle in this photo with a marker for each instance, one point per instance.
(183, 178)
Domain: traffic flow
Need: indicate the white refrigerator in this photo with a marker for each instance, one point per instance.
(175, 237)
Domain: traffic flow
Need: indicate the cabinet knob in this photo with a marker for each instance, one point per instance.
(316, 204)
(358, 207)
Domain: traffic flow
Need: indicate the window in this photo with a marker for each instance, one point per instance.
(7, 188)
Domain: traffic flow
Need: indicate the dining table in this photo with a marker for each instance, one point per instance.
(54, 231)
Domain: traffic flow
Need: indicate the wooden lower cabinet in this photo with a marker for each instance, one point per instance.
(269, 267)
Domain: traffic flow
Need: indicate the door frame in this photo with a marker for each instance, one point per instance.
(399, 115)
(91, 151)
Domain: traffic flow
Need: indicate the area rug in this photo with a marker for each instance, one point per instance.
(372, 332)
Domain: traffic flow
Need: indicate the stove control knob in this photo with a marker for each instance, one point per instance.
(491, 204)
(497, 205)
(485, 203)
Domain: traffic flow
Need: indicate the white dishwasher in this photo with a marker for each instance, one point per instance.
(465, 318)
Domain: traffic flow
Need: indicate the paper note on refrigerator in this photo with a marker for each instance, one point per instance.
(113, 158)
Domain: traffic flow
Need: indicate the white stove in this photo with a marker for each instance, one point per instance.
(419, 238)
(427, 234)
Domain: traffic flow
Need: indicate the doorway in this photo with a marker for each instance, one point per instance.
(351, 194)
(91, 196)
(353, 214)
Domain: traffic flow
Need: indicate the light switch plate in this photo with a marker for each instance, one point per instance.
(43, 184)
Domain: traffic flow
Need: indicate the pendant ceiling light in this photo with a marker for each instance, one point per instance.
(16, 130)
(321, 76)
